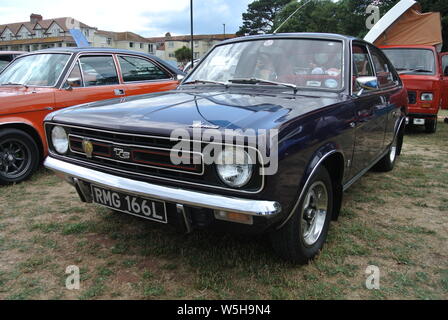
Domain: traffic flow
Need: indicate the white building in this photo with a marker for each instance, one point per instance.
(39, 33)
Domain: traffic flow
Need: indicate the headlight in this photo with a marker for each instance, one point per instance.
(234, 167)
(59, 139)
(427, 97)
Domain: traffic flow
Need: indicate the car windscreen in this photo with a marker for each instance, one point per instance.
(3, 64)
(35, 70)
(305, 63)
(412, 61)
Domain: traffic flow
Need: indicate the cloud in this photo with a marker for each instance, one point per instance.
(149, 18)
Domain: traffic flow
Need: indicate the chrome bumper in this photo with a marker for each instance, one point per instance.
(72, 172)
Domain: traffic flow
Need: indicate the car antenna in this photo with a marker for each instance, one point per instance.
(287, 19)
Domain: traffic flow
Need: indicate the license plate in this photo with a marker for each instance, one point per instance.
(137, 206)
(419, 121)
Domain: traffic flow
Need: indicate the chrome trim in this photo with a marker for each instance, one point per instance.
(251, 207)
(136, 146)
(305, 186)
(263, 176)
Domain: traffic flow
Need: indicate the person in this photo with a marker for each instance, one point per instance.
(322, 64)
(265, 68)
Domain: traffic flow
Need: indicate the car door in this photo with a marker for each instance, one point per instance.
(142, 75)
(369, 120)
(389, 113)
(93, 77)
(444, 84)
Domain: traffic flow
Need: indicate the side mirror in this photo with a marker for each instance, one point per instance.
(71, 83)
(367, 84)
(180, 77)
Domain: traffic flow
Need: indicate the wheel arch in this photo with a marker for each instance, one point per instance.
(29, 129)
(333, 159)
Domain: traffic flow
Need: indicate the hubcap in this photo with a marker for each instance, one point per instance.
(14, 158)
(314, 213)
(393, 151)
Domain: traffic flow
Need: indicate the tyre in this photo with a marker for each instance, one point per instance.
(431, 126)
(304, 235)
(400, 138)
(387, 163)
(19, 156)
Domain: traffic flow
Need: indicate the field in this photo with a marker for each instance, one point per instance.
(396, 221)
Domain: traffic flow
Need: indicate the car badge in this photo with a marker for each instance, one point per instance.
(202, 125)
(122, 154)
(87, 147)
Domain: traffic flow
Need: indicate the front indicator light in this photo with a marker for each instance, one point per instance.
(234, 217)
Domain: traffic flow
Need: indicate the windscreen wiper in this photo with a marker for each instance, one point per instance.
(257, 81)
(206, 82)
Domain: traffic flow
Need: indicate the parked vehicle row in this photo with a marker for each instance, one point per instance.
(41, 82)
(333, 107)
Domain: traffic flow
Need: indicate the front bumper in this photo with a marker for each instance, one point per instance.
(75, 173)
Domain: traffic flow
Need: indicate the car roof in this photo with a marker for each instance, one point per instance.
(107, 50)
(309, 35)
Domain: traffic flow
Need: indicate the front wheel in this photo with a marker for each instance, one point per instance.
(19, 156)
(304, 235)
(431, 126)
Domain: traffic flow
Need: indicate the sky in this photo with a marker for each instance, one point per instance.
(147, 18)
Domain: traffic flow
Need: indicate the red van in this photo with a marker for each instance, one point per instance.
(424, 72)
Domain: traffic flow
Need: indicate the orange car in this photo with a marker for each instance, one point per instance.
(41, 82)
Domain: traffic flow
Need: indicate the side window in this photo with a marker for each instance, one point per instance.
(383, 69)
(98, 70)
(445, 65)
(75, 79)
(138, 69)
(362, 66)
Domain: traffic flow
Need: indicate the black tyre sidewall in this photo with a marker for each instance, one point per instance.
(294, 248)
(26, 139)
(431, 126)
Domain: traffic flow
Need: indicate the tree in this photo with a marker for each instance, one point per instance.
(260, 16)
(315, 16)
(183, 54)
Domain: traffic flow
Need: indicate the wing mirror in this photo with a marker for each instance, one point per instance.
(71, 83)
(367, 84)
(180, 77)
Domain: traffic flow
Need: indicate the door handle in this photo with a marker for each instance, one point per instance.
(119, 92)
